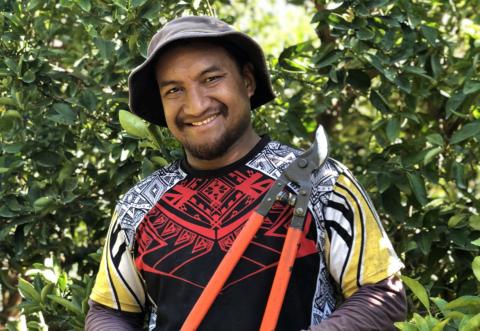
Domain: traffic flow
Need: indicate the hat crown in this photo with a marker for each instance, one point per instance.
(186, 25)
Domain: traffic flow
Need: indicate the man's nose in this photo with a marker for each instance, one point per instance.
(197, 102)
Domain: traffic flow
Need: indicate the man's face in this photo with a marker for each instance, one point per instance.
(206, 98)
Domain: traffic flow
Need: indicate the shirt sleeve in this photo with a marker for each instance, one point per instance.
(373, 307)
(118, 284)
(105, 319)
(357, 250)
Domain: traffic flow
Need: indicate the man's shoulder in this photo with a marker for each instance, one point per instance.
(154, 183)
(276, 156)
(141, 198)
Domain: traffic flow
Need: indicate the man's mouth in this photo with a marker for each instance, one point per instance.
(205, 121)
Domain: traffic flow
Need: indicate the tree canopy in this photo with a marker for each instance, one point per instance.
(395, 83)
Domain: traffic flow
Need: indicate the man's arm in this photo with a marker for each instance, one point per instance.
(361, 259)
(103, 318)
(371, 307)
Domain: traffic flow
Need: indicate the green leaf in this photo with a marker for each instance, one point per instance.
(28, 291)
(473, 324)
(334, 4)
(393, 129)
(467, 131)
(151, 10)
(436, 65)
(379, 102)
(476, 242)
(414, 70)
(440, 303)
(471, 86)
(138, 3)
(6, 212)
(13, 148)
(476, 267)
(329, 59)
(383, 182)
(12, 65)
(85, 5)
(431, 34)
(418, 290)
(458, 170)
(435, 139)
(64, 114)
(133, 124)
(405, 326)
(62, 281)
(467, 304)
(456, 220)
(376, 3)
(418, 187)
(440, 326)
(47, 159)
(365, 34)
(431, 154)
(47, 289)
(454, 102)
(77, 310)
(404, 84)
(43, 203)
(28, 76)
(159, 161)
(7, 101)
(105, 47)
(420, 322)
(10, 119)
(474, 222)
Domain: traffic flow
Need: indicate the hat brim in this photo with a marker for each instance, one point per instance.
(144, 99)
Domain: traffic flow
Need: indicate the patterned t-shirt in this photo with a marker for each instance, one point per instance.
(170, 231)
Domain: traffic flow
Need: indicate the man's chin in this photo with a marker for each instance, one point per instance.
(207, 152)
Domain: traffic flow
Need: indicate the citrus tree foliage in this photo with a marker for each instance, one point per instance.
(395, 83)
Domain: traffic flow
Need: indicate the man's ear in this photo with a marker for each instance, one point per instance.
(249, 78)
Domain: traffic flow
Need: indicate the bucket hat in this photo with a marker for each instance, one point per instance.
(144, 97)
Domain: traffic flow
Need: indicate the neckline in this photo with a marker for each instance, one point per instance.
(189, 170)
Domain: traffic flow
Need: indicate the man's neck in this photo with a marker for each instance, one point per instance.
(235, 152)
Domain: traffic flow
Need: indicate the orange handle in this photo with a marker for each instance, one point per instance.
(280, 282)
(222, 273)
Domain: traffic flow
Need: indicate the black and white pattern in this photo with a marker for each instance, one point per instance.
(142, 197)
(273, 159)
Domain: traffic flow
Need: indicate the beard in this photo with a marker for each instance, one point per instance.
(215, 149)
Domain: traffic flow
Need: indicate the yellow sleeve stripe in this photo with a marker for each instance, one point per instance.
(350, 278)
(376, 259)
(111, 288)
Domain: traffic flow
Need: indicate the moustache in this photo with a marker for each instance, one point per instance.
(182, 121)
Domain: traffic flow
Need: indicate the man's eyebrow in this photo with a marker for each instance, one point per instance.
(168, 82)
(212, 68)
(207, 70)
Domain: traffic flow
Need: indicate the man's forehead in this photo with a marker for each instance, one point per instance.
(197, 51)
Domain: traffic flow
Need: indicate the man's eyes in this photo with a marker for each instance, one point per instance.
(173, 91)
(211, 79)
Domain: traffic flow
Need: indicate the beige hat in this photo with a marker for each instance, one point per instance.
(144, 99)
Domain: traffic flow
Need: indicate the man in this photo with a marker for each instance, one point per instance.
(171, 230)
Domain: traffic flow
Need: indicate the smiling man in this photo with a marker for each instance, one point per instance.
(168, 234)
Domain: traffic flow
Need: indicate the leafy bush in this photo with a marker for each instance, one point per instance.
(462, 313)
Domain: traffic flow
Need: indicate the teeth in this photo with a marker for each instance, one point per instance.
(206, 121)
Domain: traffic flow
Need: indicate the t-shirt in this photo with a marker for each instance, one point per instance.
(170, 231)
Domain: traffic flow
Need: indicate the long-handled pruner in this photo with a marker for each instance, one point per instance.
(299, 173)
